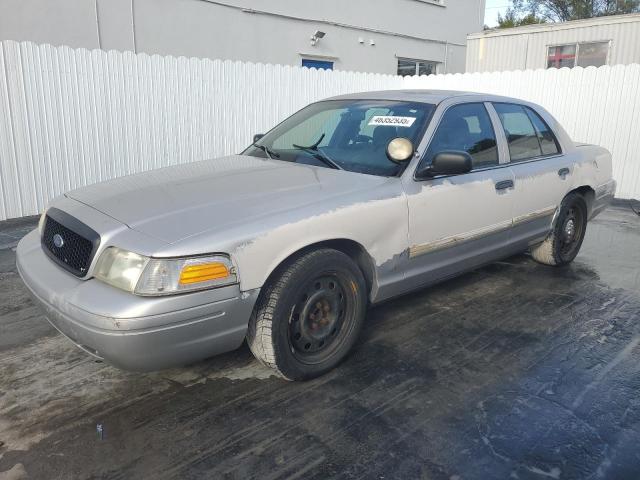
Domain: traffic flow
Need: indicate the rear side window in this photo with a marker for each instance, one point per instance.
(521, 135)
(548, 142)
(466, 127)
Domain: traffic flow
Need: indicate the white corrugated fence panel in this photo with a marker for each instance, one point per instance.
(70, 118)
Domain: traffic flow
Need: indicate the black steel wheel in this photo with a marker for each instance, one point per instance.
(564, 242)
(309, 315)
(318, 318)
(572, 232)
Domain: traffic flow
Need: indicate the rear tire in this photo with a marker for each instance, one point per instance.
(309, 316)
(564, 242)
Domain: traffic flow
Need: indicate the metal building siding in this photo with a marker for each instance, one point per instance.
(526, 47)
(489, 54)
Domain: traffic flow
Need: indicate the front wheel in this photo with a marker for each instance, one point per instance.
(309, 316)
(564, 242)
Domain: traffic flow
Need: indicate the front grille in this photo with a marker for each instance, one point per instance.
(69, 242)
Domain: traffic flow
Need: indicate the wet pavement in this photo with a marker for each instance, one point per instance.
(516, 370)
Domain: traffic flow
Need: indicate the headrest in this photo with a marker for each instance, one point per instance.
(383, 134)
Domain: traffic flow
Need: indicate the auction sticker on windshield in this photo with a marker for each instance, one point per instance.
(392, 121)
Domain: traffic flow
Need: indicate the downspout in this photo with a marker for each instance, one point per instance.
(98, 26)
(446, 55)
(133, 27)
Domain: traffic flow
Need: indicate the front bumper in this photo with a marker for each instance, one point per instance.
(129, 331)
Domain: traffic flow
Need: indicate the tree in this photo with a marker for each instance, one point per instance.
(511, 19)
(565, 10)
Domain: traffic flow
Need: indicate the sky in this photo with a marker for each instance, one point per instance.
(492, 9)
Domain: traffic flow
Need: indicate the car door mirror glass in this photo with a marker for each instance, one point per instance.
(400, 150)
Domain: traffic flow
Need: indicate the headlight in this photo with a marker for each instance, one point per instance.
(120, 268)
(163, 276)
(41, 222)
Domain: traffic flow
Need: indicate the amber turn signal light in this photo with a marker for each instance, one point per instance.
(203, 272)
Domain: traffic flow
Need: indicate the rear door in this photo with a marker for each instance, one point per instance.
(458, 222)
(541, 172)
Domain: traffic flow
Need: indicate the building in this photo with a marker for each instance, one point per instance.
(597, 41)
(383, 36)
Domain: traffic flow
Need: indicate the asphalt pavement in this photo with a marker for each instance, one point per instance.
(513, 371)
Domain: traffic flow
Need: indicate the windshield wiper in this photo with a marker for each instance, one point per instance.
(270, 153)
(319, 154)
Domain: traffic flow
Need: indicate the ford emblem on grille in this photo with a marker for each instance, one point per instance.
(58, 241)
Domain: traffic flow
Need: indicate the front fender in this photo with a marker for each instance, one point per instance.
(379, 226)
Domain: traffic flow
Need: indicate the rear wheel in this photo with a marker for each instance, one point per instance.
(309, 316)
(564, 242)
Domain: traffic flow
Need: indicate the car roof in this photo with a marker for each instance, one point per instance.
(422, 96)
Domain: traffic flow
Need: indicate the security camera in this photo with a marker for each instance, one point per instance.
(315, 38)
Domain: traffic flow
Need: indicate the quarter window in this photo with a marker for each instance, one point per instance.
(466, 127)
(548, 142)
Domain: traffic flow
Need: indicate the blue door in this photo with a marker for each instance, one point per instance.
(319, 64)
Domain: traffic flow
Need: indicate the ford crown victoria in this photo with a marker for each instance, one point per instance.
(350, 201)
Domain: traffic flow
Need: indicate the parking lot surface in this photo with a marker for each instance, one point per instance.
(516, 370)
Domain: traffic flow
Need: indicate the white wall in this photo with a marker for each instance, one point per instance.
(74, 117)
(274, 31)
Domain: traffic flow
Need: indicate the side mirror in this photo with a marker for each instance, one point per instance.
(257, 137)
(399, 150)
(447, 163)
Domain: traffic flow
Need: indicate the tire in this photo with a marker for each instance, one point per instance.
(309, 315)
(564, 242)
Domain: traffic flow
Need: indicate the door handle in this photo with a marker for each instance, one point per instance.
(504, 184)
(563, 172)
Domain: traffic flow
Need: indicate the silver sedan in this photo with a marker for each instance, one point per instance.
(349, 202)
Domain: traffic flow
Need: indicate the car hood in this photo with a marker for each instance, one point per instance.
(177, 202)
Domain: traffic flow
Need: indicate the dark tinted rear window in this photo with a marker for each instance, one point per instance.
(521, 135)
(527, 133)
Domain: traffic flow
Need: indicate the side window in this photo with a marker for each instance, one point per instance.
(466, 127)
(547, 139)
(521, 136)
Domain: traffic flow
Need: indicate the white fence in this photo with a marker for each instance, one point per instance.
(73, 117)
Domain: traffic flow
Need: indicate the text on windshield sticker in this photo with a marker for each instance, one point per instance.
(392, 121)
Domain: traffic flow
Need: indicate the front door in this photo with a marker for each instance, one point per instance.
(459, 222)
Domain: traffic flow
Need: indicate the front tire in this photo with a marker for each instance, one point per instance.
(564, 242)
(309, 316)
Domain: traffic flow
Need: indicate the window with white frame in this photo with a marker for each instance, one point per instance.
(584, 54)
(411, 66)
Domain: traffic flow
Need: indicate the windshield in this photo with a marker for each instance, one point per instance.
(348, 134)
